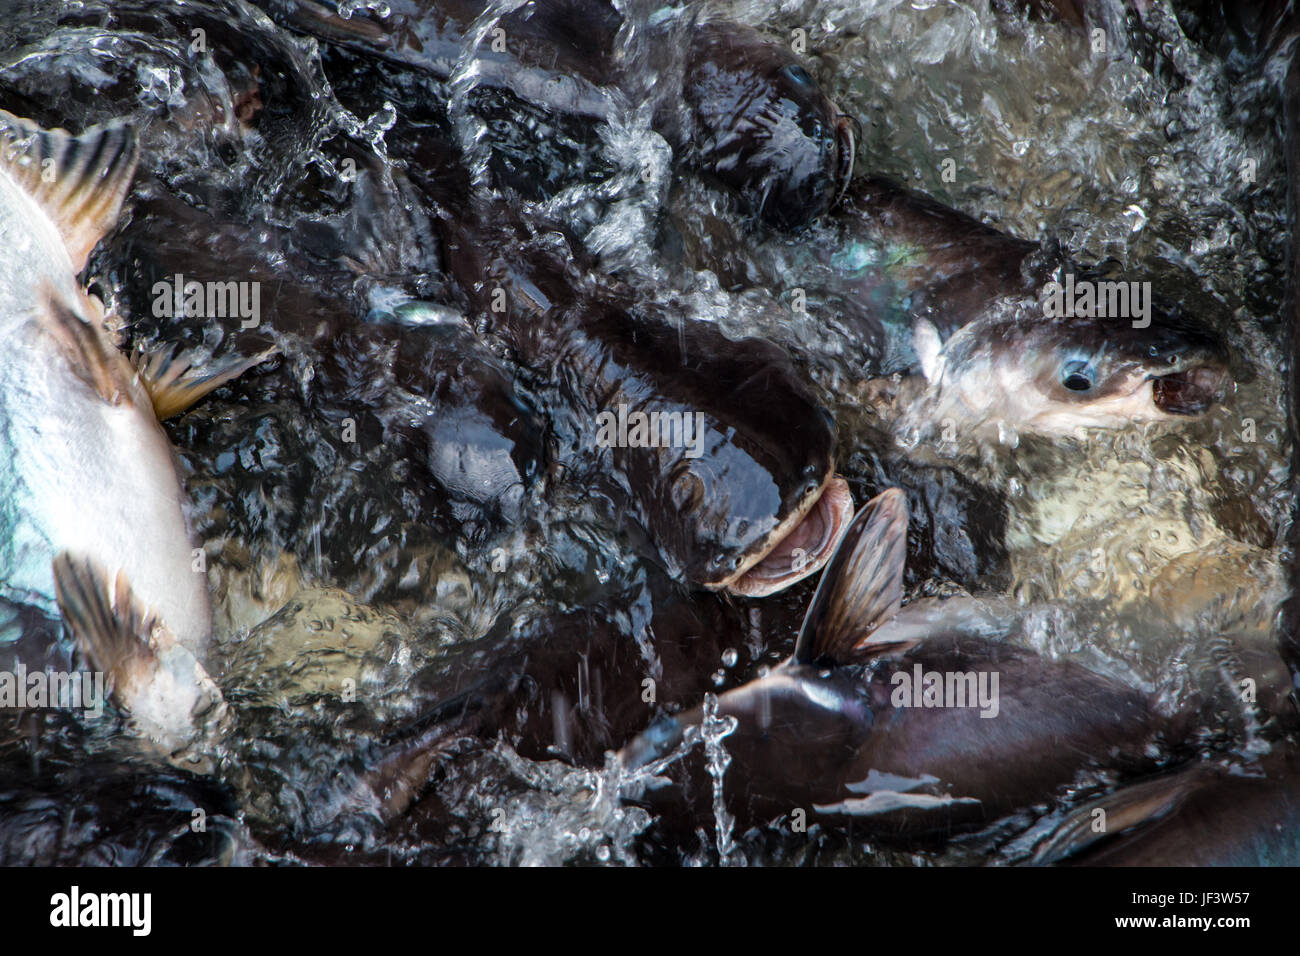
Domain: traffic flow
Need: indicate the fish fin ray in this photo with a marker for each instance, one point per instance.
(175, 383)
(79, 181)
(172, 701)
(114, 631)
(90, 354)
(1135, 806)
(862, 586)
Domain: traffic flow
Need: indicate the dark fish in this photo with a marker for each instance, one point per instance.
(745, 498)
(441, 397)
(760, 125)
(915, 286)
(1207, 815)
(843, 727)
(738, 107)
(584, 681)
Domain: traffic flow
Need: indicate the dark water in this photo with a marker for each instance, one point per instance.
(361, 583)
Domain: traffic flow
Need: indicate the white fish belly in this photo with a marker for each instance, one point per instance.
(76, 473)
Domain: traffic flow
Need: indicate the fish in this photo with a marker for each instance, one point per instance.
(586, 680)
(751, 502)
(759, 124)
(94, 527)
(1210, 814)
(907, 286)
(734, 105)
(843, 729)
(470, 438)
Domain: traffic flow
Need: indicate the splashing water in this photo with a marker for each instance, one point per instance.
(465, 77)
(349, 7)
(712, 732)
(567, 815)
(1132, 553)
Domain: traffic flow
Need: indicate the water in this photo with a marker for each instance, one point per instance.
(345, 584)
(714, 731)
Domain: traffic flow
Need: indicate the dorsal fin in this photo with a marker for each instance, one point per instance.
(861, 588)
(79, 181)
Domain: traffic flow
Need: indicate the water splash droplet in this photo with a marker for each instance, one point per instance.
(714, 729)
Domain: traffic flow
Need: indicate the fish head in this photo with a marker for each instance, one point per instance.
(1053, 376)
(765, 127)
(798, 729)
(755, 504)
(1098, 369)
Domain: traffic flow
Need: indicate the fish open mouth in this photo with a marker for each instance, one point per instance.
(1189, 392)
(847, 133)
(802, 544)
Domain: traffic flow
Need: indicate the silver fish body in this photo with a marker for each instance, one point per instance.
(79, 473)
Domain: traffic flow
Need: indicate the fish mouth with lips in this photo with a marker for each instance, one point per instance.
(763, 126)
(1191, 391)
(847, 133)
(797, 547)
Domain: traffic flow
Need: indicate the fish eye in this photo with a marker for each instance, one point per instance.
(1077, 376)
(800, 76)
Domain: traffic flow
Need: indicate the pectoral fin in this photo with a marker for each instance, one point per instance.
(169, 696)
(1137, 805)
(89, 353)
(175, 383)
